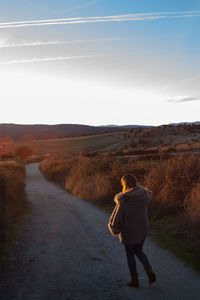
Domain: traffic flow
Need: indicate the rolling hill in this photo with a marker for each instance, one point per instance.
(41, 132)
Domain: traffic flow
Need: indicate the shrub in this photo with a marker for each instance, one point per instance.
(173, 179)
(23, 152)
(12, 175)
(94, 178)
(56, 169)
(192, 202)
(7, 155)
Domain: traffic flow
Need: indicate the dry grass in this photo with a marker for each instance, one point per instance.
(13, 204)
(12, 175)
(57, 169)
(174, 182)
(192, 202)
(93, 178)
(90, 178)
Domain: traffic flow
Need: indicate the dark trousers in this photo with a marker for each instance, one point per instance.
(133, 250)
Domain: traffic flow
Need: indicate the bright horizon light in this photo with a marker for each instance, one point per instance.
(98, 65)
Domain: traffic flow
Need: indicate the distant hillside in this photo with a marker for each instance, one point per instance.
(16, 131)
(75, 139)
(185, 123)
(43, 132)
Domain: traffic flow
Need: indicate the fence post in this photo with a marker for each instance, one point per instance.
(2, 209)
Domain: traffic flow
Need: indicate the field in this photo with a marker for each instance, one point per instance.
(68, 146)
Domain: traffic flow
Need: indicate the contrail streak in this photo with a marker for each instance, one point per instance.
(116, 18)
(32, 60)
(25, 44)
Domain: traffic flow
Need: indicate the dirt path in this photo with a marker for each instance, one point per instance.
(65, 251)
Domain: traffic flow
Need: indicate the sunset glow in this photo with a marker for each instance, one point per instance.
(97, 63)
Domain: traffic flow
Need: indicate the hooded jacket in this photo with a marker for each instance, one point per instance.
(129, 218)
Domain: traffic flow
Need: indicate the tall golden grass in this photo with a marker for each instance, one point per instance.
(192, 202)
(57, 169)
(175, 182)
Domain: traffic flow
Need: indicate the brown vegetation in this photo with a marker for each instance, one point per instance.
(57, 169)
(23, 152)
(91, 178)
(192, 202)
(12, 174)
(175, 182)
(12, 198)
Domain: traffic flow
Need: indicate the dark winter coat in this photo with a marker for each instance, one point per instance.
(129, 218)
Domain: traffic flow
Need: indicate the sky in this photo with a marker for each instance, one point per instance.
(99, 62)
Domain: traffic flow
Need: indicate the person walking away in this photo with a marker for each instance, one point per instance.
(129, 221)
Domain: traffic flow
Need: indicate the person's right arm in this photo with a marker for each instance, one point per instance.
(116, 220)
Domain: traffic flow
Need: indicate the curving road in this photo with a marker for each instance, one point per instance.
(64, 251)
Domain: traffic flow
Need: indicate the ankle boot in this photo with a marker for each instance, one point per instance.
(134, 281)
(150, 274)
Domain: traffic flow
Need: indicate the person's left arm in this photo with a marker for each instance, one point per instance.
(149, 196)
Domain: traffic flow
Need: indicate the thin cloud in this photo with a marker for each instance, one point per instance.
(25, 44)
(45, 59)
(116, 18)
(184, 99)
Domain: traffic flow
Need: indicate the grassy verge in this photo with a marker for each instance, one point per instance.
(185, 246)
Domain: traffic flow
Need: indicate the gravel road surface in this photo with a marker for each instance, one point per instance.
(64, 251)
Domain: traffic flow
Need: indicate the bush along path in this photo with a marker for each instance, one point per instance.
(13, 204)
(65, 251)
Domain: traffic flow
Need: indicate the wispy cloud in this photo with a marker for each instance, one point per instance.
(116, 18)
(45, 59)
(40, 43)
(184, 99)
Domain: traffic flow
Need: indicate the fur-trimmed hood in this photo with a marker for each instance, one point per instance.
(136, 194)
